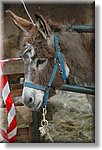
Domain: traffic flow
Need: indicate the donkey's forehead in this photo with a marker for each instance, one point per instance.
(42, 48)
(28, 49)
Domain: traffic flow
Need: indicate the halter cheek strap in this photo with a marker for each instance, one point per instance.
(59, 56)
(58, 61)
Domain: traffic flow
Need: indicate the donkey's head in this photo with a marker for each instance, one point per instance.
(38, 54)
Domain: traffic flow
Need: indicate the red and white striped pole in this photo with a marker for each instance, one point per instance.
(8, 135)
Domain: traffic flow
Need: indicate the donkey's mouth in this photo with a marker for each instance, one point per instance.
(34, 107)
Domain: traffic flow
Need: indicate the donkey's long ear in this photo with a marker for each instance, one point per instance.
(23, 24)
(42, 25)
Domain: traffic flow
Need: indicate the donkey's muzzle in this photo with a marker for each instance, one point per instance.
(32, 98)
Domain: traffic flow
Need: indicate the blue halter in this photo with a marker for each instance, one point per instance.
(58, 60)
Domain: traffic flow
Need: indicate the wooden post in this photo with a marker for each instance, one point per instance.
(36, 124)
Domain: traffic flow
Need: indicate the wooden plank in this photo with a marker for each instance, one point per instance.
(23, 114)
(16, 90)
(22, 135)
(14, 67)
(30, 132)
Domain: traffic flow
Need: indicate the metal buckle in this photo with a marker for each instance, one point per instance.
(47, 88)
(56, 61)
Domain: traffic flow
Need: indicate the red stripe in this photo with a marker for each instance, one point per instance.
(12, 139)
(9, 103)
(12, 125)
(3, 81)
(2, 64)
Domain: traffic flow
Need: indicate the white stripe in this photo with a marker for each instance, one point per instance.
(11, 59)
(11, 114)
(1, 72)
(12, 133)
(2, 128)
(66, 69)
(2, 139)
(5, 91)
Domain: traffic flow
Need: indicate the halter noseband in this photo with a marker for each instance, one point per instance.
(58, 61)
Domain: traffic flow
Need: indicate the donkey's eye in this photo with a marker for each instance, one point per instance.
(40, 62)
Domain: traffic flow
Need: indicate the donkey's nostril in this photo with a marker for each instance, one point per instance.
(31, 99)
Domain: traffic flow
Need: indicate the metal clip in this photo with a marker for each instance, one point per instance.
(44, 122)
(44, 129)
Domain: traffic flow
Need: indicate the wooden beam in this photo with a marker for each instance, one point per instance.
(23, 135)
(14, 67)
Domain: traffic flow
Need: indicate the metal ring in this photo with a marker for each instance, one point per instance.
(44, 123)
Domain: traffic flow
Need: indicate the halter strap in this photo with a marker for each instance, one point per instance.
(34, 86)
(59, 56)
(58, 60)
(42, 87)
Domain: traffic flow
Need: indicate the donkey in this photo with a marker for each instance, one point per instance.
(38, 52)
